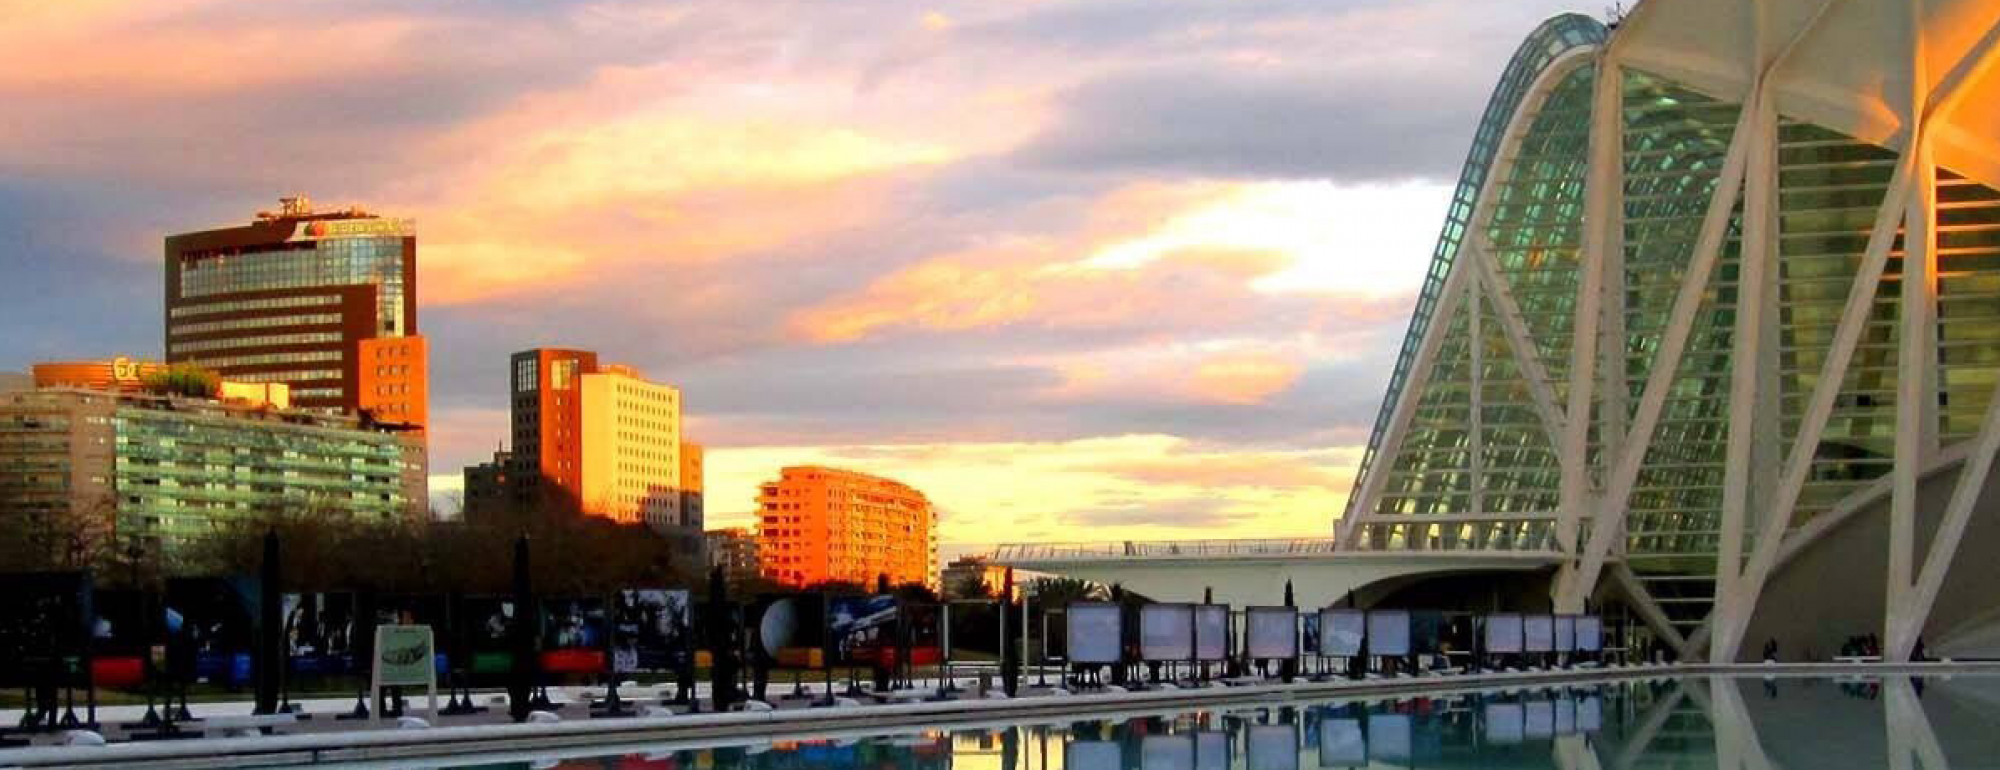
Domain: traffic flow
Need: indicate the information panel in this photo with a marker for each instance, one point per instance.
(1166, 632)
(1273, 747)
(1565, 633)
(1589, 633)
(1211, 632)
(1538, 633)
(1341, 743)
(1388, 632)
(1095, 631)
(1503, 633)
(1341, 632)
(1273, 632)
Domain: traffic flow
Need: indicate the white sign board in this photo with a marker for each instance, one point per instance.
(1503, 633)
(1211, 750)
(1589, 633)
(405, 656)
(1590, 714)
(1095, 632)
(1388, 632)
(1541, 719)
(1565, 716)
(1538, 633)
(1341, 743)
(1166, 752)
(1273, 632)
(1166, 632)
(1341, 632)
(1091, 755)
(1273, 747)
(1211, 632)
(1565, 633)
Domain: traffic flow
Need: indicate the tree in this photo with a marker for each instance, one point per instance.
(183, 380)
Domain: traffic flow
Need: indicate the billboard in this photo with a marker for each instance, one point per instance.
(1341, 632)
(574, 624)
(1272, 632)
(1166, 632)
(652, 629)
(857, 626)
(1095, 633)
(1211, 632)
(1388, 632)
(1503, 633)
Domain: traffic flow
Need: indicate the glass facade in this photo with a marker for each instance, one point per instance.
(1477, 449)
(353, 261)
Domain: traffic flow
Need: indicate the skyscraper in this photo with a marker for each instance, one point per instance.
(323, 301)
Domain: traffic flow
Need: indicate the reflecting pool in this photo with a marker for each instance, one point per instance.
(1700, 722)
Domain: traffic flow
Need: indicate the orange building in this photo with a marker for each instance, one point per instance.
(817, 524)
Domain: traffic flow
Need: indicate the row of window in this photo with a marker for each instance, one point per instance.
(260, 322)
(291, 376)
(197, 307)
(317, 393)
(302, 338)
(308, 356)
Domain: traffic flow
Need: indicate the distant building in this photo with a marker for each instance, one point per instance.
(964, 571)
(488, 486)
(735, 551)
(159, 472)
(817, 524)
(601, 440)
(692, 509)
(323, 301)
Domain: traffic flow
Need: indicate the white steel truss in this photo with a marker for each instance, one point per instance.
(1604, 445)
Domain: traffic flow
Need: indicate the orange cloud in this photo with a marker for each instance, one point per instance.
(1243, 379)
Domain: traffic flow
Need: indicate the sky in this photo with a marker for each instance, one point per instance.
(1077, 269)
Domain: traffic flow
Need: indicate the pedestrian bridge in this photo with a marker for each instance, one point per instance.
(1254, 572)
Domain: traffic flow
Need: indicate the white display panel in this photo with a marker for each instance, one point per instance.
(1389, 737)
(1504, 723)
(1166, 752)
(1589, 633)
(1565, 633)
(1091, 755)
(1566, 716)
(1211, 750)
(1538, 633)
(1273, 747)
(1388, 632)
(1095, 631)
(1539, 719)
(1211, 632)
(1166, 632)
(1503, 633)
(1273, 632)
(1341, 632)
(1341, 743)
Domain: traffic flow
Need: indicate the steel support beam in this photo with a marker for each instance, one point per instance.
(1475, 438)
(1526, 356)
(1916, 384)
(1603, 216)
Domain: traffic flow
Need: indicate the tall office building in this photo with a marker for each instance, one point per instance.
(817, 524)
(323, 301)
(601, 440)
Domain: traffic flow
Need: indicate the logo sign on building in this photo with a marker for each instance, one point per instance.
(124, 369)
(405, 656)
(352, 228)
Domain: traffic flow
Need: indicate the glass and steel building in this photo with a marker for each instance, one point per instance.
(323, 301)
(1711, 334)
(160, 472)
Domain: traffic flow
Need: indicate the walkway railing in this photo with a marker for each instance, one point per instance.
(1517, 535)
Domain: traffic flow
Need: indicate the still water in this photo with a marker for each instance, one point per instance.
(1752, 723)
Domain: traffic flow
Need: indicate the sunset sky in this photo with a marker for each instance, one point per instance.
(1077, 269)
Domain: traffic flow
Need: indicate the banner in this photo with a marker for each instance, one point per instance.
(1095, 632)
(1589, 633)
(1503, 633)
(1538, 633)
(1342, 632)
(1211, 632)
(860, 627)
(1273, 632)
(651, 630)
(1166, 632)
(1388, 632)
